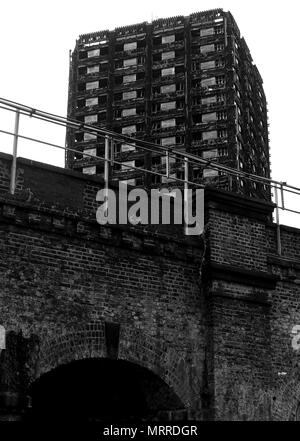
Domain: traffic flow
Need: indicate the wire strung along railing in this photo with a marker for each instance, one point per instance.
(109, 159)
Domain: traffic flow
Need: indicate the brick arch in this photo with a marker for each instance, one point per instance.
(134, 346)
(67, 345)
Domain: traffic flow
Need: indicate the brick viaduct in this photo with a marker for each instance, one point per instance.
(207, 319)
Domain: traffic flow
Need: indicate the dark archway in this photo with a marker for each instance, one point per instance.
(101, 390)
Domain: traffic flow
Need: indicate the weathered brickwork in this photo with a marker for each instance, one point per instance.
(252, 315)
(285, 315)
(66, 272)
(211, 316)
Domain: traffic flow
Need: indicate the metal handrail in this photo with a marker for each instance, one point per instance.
(109, 159)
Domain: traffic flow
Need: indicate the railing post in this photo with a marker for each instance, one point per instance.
(186, 199)
(14, 159)
(282, 196)
(277, 223)
(112, 153)
(106, 171)
(106, 161)
(167, 164)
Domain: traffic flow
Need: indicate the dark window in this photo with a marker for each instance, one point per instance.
(156, 90)
(140, 110)
(179, 36)
(119, 47)
(118, 96)
(103, 82)
(119, 80)
(140, 76)
(155, 107)
(141, 59)
(82, 55)
(156, 41)
(141, 43)
(156, 74)
(180, 139)
(82, 70)
(179, 69)
(102, 100)
(197, 119)
(104, 51)
(80, 103)
(102, 116)
(118, 64)
(140, 93)
(157, 57)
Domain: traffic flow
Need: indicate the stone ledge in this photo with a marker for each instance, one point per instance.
(241, 275)
(263, 301)
(284, 262)
(238, 204)
(17, 214)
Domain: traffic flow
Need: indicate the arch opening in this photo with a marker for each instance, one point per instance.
(101, 390)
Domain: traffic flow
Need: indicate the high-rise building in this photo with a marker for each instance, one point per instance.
(182, 82)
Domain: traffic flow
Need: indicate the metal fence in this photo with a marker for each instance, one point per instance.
(280, 189)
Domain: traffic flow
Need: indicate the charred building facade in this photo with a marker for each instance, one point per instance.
(186, 83)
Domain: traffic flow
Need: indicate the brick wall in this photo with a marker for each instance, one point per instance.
(62, 273)
(285, 315)
(211, 316)
(253, 299)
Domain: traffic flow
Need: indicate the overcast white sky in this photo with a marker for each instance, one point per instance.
(36, 37)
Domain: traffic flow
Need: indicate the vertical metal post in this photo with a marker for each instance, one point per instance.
(106, 172)
(277, 223)
(106, 162)
(14, 159)
(112, 152)
(186, 186)
(167, 164)
(237, 148)
(282, 196)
